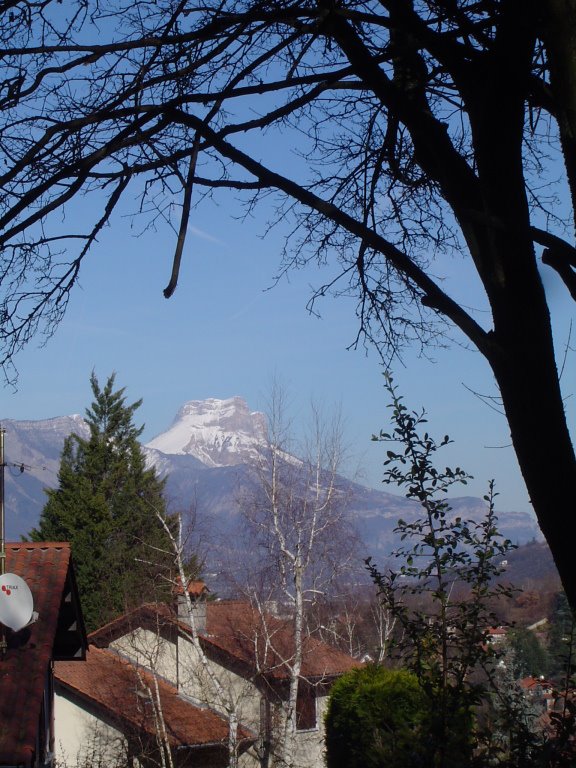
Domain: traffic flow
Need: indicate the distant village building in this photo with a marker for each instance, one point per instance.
(496, 635)
(539, 692)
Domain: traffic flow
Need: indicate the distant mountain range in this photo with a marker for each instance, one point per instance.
(206, 455)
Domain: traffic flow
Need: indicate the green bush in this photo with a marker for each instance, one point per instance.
(376, 717)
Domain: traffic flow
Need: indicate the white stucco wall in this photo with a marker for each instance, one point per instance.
(148, 649)
(81, 738)
(197, 681)
(310, 744)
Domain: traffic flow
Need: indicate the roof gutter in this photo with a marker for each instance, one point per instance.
(220, 743)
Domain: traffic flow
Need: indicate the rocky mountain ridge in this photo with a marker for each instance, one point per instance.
(207, 454)
(219, 433)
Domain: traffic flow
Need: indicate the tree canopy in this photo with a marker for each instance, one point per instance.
(417, 127)
(106, 506)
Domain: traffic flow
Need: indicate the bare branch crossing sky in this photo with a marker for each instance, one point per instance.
(223, 334)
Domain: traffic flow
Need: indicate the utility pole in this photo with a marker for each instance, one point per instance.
(23, 597)
(3, 644)
(2, 523)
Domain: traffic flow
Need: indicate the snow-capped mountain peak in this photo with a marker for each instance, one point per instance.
(217, 432)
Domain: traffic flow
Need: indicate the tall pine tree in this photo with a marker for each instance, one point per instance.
(105, 506)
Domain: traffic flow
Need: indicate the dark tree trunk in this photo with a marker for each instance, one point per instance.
(535, 413)
(520, 348)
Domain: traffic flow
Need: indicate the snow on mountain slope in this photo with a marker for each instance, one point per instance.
(205, 457)
(219, 433)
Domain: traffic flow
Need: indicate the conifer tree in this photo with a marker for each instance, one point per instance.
(106, 506)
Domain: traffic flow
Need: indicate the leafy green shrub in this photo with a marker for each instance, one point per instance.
(376, 717)
(441, 557)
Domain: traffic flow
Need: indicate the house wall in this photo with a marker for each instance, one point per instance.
(83, 739)
(150, 650)
(197, 681)
(247, 699)
(309, 746)
(180, 663)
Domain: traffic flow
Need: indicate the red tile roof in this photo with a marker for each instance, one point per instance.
(242, 631)
(236, 632)
(26, 664)
(158, 617)
(117, 687)
(535, 684)
(496, 632)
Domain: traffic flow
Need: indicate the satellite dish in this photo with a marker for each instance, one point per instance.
(16, 603)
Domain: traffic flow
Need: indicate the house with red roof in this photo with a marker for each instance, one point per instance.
(496, 635)
(56, 632)
(113, 712)
(228, 659)
(539, 691)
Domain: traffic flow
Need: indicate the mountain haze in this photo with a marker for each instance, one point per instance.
(32, 457)
(208, 454)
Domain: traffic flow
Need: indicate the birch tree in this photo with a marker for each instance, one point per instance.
(358, 623)
(297, 519)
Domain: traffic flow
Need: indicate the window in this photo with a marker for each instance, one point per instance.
(306, 719)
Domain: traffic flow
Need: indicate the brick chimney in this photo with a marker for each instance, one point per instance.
(198, 592)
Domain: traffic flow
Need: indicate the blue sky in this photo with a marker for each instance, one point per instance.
(224, 334)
